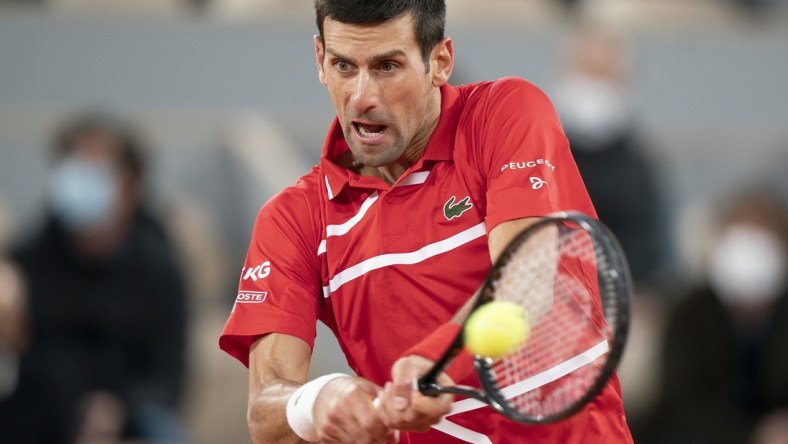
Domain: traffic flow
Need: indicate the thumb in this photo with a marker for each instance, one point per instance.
(399, 392)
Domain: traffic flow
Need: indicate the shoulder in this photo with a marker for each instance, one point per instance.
(294, 211)
(296, 200)
(506, 104)
(506, 91)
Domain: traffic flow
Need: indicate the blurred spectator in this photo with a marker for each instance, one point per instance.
(106, 300)
(23, 394)
(725, 359)
(596, 104)
(12, 328)
(596, 101)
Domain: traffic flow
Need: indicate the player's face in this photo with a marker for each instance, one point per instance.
(387, 102)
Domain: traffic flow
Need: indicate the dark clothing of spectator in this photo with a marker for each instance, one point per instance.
(620, 181)
(116, 325)
(719, 381)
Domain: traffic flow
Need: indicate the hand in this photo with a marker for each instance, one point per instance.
(771, 429)
(102, 418)
(404, 408)
(343, 413)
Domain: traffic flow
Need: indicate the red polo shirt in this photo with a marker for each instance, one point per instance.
(383, 265)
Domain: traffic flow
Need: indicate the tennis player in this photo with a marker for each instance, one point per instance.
(420, 185)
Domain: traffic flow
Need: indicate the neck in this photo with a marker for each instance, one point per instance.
(393, 171)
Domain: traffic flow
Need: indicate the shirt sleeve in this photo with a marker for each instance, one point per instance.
(524, 155)
(279, 286)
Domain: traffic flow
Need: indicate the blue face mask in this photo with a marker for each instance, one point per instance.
(82, 193)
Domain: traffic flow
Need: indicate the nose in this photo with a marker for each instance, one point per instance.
(365, 94)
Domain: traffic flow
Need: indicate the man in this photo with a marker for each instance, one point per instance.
(597, 106)
(106, 301)
(419, 186)
(723, 357)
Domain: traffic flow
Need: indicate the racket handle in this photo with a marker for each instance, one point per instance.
(427, 388)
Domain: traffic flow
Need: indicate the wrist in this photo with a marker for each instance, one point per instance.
(300, 407)
(433, 346)
(437, 342)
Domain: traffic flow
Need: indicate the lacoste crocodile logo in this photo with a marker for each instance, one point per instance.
(452, 210)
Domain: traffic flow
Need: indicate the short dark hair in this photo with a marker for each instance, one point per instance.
(131, 150)
(429, 16)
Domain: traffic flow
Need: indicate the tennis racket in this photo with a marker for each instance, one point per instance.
(569, 274)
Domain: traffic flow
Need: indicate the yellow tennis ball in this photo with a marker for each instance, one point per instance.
(496, 329)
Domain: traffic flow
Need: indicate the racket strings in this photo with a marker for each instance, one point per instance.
(564, 353)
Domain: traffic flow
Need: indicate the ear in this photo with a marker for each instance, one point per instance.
(319, 56)
(442, 60)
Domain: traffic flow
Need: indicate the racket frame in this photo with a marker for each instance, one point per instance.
(602, 238)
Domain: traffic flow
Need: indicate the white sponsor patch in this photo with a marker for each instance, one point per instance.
(257, 272)
(537, 182)
(527, 164)
(251, 297)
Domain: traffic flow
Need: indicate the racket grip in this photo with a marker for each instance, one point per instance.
(426, 388)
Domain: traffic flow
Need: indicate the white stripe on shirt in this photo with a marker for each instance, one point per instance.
(328, 189)
(344, 228)
(415, 178)
(539, 379)
(413, 257)
(516, 389)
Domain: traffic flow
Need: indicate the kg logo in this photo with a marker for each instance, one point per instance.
(452, 210)
(258, 272)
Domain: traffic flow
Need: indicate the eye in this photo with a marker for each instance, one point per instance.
(342, 66)
(388, 66)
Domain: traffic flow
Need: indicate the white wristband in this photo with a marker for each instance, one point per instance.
(301, 403)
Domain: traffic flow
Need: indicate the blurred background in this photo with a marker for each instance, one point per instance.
(672, 107)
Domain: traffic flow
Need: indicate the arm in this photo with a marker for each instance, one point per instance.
(343, 410)
(278, 365)
(499, 238)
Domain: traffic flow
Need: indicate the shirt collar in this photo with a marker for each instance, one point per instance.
(439, 148)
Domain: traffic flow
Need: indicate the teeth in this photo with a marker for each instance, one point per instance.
(364, 132)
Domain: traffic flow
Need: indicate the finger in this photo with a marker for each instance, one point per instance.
(339, 428)
(350, 416)
(400, 395)
(392, 414)
(435, 407)
(408, 419)
(370, 421)
(393, 437)
(383, 409)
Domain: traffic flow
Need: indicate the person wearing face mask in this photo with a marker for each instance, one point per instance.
(596, 101)
(107, 302)
(725, 359)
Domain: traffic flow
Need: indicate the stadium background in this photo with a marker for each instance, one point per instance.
(227, 94)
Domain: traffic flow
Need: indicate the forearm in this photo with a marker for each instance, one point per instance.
(278, 367)
(266, 415)
(499, 238)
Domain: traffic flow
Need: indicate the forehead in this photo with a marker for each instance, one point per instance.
(94, 144)
(358, 40)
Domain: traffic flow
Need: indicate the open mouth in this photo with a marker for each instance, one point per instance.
(368, 130)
